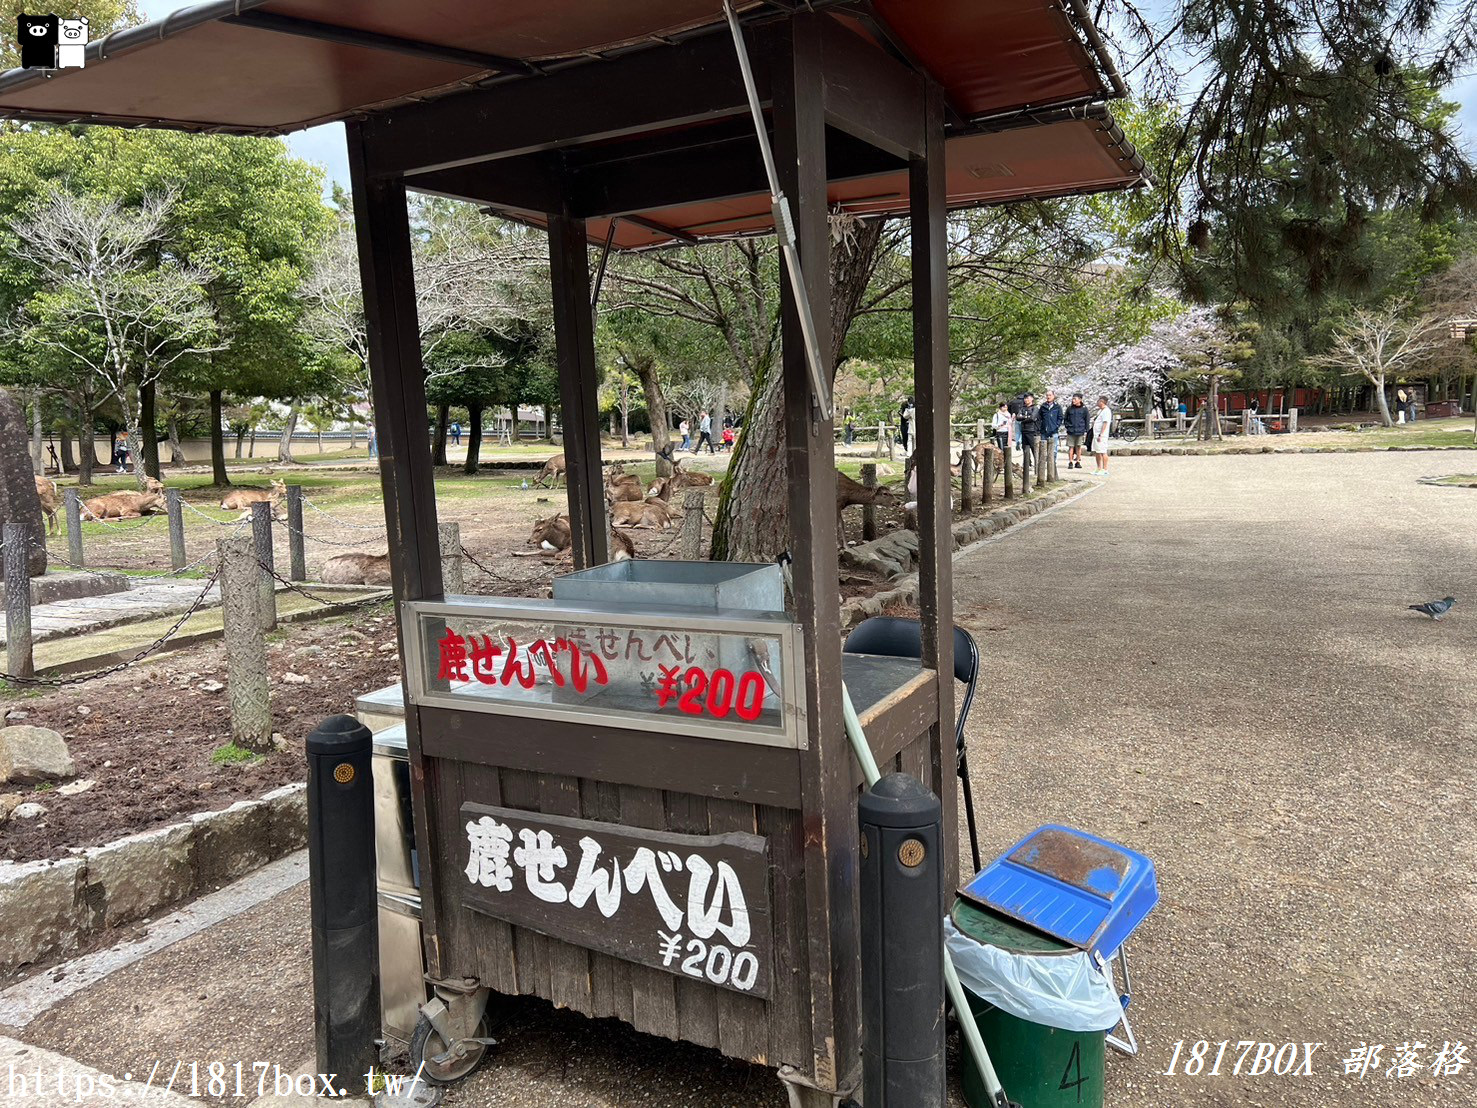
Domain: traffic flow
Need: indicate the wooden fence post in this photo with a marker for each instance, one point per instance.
(1028, 464)
(19, 659)
(1245, 421)
(261, 533)
(176, 529)
(966, 483)
(979, 430)
(987, 483)
(1007, 461)
(246, 643)
(692, 525)
(869, 511)
(74, 526)
(1041, 462)
(1051, 453)
(450, 537)
(1292, 421)
(881, 432)
(297, 553)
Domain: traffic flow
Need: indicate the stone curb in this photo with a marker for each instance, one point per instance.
(46, 907)
(966, 532)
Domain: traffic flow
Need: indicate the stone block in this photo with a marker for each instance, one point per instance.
(289, 818)
(231, 843)
(39, 910)
(134, 877)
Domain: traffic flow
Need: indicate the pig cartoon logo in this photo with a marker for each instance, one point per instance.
(38, 36)
(72, 43)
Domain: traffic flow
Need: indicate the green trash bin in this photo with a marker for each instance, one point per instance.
(1038, 1066)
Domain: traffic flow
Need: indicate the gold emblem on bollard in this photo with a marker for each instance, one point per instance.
(343, 773)
(911, 853)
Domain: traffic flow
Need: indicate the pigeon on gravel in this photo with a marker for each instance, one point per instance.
(1434, 608)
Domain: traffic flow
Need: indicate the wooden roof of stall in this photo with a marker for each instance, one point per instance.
(1024, 82)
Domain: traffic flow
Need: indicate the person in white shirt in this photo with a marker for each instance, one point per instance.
(1102, 426)
(1000, 424)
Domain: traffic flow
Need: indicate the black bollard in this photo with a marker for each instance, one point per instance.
(341, 883)
(902, 925)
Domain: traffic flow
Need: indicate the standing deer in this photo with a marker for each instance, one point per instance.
(553, 468)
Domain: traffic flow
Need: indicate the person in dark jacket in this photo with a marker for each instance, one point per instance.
(1075, 421)
(1030, 420)
(1051, 422)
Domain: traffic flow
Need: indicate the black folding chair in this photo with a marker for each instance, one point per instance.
(892, 637)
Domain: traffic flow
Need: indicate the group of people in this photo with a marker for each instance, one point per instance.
(1023, 423)
(705, 434)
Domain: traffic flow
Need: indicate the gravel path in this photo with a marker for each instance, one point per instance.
(1209, 659)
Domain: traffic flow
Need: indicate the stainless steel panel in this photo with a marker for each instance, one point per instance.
(661, 585)
(402, 973)
(394, 828)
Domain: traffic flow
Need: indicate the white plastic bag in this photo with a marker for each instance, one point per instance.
(1065, 990)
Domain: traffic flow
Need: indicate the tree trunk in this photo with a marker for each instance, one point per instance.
(38, 459)
(87, 433)
(1382, 403)
(253, 438)
(474, 439)
(438, 444)
(148, 431)
(133, 431)
(284, 442)
(752, 522)
(625, 412)
(548, 421)
(656, 408)
(171, 430)
(64, 441)
(218, 440)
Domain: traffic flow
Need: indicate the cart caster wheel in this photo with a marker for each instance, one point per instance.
(428, 1053)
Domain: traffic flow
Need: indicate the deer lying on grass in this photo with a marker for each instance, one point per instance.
(357, 569)
(243, 499)
(620, 485)
(123, 505)
(552, 536)
(663, 488)
(651, 513)
(553, 469)
(50, 502)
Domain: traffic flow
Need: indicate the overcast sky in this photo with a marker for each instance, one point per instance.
(324, 146)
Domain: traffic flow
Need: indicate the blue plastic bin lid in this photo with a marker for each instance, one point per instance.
(1071, 885)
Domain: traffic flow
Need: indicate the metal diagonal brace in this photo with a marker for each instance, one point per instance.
(784, 226)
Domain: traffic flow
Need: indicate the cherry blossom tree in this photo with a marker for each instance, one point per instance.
(1378, 344)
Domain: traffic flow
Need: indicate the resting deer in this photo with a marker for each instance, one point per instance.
(243, 499)
(552, 536)
(123, 505)
(357, 569)
(620, 485)
(664, 487)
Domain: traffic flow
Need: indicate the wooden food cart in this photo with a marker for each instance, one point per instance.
(634, 807)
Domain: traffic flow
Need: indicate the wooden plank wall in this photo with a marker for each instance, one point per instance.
(514, 960)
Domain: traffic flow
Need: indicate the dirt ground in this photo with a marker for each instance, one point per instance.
(146, 735)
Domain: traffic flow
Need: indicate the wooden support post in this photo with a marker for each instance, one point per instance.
(574, 334)
(176, 529)
(928, 202)
(891, 446)
(246, 644)
(297, 539)
(261, 536)
(19, 659)
(1179, 422)
(1041, 463)
(1051, 453)
(1009, 466)
(1028, 464)
(449, 536)
(828, 791)
(1245, 421)
(1292, 421)
(692, 525)
(73, 502)
(966, 483)
(397, 381)
(987, 481)
(869, 511)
